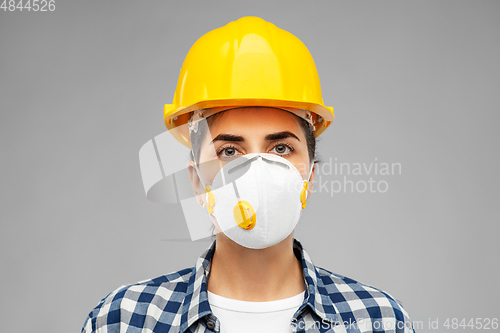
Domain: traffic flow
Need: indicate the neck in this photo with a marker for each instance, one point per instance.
(256, 275)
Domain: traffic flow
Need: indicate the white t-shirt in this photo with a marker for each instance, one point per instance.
(237, 316)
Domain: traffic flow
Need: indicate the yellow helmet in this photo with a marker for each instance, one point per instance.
(248, 62)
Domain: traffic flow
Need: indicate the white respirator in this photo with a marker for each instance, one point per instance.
(257, 199)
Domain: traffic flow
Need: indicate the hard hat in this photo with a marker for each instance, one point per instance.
(248, 62)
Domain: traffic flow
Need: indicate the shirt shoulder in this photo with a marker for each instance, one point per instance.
(362, 304)
(153, 304)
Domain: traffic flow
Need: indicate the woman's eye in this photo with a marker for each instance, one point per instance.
(229, 152)
(282, 149)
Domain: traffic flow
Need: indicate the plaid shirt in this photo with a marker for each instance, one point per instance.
(178, 302)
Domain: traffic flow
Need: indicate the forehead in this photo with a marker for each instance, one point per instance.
(256, 120)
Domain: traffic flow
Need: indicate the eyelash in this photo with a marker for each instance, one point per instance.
(229, 146)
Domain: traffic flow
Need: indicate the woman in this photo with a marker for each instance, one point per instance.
(248, 104)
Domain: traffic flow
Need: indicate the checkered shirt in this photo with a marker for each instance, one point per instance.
(178, 302)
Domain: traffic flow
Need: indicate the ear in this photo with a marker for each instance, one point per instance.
(195, 182)
(311, 181)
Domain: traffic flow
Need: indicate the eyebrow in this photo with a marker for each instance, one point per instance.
(269, 137)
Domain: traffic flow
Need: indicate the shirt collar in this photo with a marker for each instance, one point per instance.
(195, 305)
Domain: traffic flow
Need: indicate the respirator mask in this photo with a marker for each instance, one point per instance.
(257, 199)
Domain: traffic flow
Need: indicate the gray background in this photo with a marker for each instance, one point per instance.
(82, 89)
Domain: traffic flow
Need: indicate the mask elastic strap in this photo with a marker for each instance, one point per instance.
(309, 177)
(210, 208)
(310, 171)
(197, 169)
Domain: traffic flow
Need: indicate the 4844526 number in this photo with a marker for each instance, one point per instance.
(28, 5)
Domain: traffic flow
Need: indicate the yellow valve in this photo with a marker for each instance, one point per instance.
(210, 199)
(303, 195)
(244, 215)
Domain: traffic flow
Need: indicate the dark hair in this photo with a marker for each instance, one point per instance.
(198, 136)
